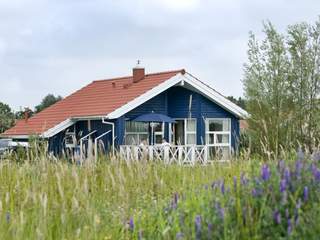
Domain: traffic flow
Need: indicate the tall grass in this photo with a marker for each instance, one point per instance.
(45, 199)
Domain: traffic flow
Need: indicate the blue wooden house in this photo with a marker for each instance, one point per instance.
(101, 116)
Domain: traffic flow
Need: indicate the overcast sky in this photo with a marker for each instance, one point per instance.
(59, 46)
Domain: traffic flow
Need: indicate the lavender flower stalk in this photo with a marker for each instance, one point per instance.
(198, 226)
(265, 172)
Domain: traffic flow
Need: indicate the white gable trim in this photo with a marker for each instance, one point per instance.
(216, 97)
(67, 123)
(58, 128)
(180, 78)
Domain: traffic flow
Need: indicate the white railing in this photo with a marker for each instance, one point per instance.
(183, 155)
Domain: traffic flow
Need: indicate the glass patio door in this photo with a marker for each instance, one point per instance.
(184, 132)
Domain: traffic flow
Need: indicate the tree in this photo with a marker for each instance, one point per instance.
(266, 84)
(47, 101)
(241, 102)
(304, 49)
(6, 117)
(282, 87)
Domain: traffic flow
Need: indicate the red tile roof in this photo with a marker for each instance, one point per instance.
(96, 99)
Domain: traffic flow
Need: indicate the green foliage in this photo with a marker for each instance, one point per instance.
(6, 117)
(281, 86)
(47, 101)
(241, 102)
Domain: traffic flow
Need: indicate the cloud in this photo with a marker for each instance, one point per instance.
(57, 46)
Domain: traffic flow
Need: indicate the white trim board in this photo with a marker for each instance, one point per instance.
(182, 79)
(67, 123)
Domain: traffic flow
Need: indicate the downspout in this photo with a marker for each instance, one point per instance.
(113, 137)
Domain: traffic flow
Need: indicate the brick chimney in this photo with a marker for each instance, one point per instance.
(138, 73)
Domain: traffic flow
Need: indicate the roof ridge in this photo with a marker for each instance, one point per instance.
(148, 74)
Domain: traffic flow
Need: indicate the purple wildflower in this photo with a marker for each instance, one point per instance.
(265, 172)
(281, 165)
(283, 185)
(316, 174)
(210, 226)
(298, 168)
(254, 192)
(287, 175)
(176, 197)
(289, 226)
(8, 217)
(220, 210)
(179, 235)
(222, 188)
(277, 217)
(243, 179)
(296, 212)
(305, 193)
(197, 224)
(235, 183)
(131, 224)
(174, 201)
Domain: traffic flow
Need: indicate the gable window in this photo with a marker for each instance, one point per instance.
(136, 132)
(218, 137)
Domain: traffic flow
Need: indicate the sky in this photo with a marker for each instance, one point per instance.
(59, 46)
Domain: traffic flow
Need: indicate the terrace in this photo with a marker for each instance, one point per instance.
(172, 154)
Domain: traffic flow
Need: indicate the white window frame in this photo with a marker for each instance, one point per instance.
(159, 133)
(137, 133)
(215, 133)
(186, 132)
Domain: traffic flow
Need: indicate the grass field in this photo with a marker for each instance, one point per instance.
(244, 199)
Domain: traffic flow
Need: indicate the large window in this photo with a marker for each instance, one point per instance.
(136, 132)
(218, 137)
(191, 131)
